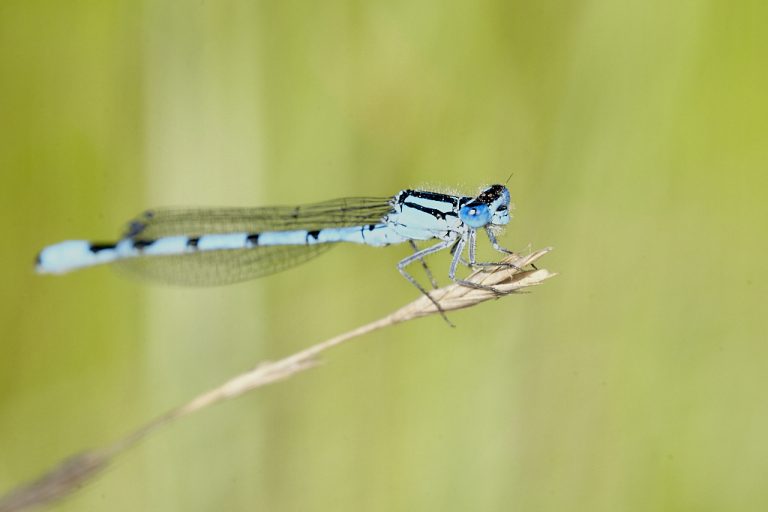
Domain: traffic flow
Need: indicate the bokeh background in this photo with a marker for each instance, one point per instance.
(635, 133)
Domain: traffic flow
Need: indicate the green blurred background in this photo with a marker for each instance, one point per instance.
(636, 132)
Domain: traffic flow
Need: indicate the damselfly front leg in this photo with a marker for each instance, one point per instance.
(473, 263)
(457, 250)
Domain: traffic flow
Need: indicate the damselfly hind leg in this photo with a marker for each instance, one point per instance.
(419, 255)
(431, 278)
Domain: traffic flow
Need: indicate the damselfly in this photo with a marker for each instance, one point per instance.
(224, 245)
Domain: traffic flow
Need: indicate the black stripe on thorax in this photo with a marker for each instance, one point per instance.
(424, 194)
(431, 211)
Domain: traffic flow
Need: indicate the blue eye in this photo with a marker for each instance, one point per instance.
(475, 216)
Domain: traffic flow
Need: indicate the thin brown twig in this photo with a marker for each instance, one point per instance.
(72, 473)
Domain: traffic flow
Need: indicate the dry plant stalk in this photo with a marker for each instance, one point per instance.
(72, 473)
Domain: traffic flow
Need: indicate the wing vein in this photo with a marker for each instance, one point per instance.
(233, 265)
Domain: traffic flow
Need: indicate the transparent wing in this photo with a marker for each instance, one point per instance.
(210, 268)
(351, 211)
(205, 268)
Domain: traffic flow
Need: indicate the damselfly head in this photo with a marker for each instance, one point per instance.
(491, 206)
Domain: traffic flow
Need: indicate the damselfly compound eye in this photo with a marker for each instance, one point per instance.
(475, 216)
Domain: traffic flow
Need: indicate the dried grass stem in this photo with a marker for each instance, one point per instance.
(74, 472)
